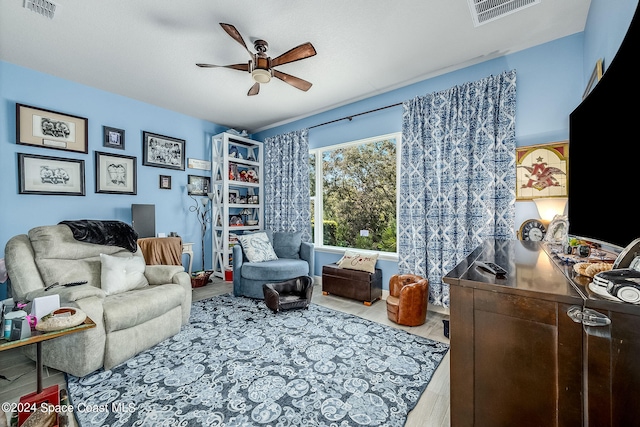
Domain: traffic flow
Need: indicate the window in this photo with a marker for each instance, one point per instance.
(353, 194)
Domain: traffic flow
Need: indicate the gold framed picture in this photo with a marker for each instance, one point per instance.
(596, 75)
(541, 170)
(50, 129)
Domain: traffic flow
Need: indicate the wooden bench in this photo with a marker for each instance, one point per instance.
(354, 284)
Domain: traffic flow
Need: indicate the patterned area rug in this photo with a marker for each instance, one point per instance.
(239, 364)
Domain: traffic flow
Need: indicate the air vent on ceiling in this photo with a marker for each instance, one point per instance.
(43, 7)
(483, 11)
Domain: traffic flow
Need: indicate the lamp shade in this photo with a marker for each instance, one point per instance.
(548, 207)
(261, 76)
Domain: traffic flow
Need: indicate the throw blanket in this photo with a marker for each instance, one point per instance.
(110, 233)
(161, 250)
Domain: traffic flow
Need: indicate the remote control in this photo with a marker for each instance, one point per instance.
(82, 282)
(55, 285)
(492, 268)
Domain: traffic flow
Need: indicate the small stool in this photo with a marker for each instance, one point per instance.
(408, 299)
(290, 294)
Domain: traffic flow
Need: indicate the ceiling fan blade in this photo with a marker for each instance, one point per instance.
(255, 89)
(235, 34)
(296, 82)
(239, 67)
(303, 51)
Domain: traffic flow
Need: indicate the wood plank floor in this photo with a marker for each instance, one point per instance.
(432, 409)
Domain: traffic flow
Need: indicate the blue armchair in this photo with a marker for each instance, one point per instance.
(295, 259)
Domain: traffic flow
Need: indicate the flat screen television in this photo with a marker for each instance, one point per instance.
(604, 142)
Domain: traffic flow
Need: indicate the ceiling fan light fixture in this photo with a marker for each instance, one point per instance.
(261, 76)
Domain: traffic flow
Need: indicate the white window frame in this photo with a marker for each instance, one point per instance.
(317, 201)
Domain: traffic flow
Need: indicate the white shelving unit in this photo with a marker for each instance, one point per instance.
(237, 181)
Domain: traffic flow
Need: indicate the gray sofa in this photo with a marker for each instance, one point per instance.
(295, 259)
(127, 321)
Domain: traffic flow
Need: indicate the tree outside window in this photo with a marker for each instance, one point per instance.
(359, 197)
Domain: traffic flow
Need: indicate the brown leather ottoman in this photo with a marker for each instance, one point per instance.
(354, 284)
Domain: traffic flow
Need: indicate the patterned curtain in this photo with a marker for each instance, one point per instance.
(458, 176)
(286, 183)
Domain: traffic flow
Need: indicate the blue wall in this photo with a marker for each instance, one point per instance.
(551, 79)
(19, 213)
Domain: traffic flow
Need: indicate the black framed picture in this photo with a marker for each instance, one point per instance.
(115, 174)
(165, 182)
(113, 137)
(50, 129)
(162, 151)
(47, 175)
(198, 185)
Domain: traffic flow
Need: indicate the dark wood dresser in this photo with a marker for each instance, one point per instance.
(518, 358)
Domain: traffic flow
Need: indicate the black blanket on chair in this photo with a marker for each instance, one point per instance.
(110, 233)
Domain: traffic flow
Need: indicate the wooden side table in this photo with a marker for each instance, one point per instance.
(50, 394)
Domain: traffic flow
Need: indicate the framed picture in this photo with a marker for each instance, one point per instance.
(541, 170)
(234, 196)
(113, 138)
(50, 175)
(198, 185)
(162, 151)
(165, 182)
(49, 129)
(115, 174)
(596, 75)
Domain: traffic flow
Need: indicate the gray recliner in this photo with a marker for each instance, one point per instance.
(295, 259)
(127, 321)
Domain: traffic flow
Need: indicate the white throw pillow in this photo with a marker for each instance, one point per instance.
(257, 247)
(121, 274)
(358, 261)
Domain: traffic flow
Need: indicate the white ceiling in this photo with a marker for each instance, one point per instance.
(147, 49)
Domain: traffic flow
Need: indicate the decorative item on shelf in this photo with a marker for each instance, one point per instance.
(252, 176)
(253, 199)
(235, 221)
(245, 214)
(234, 196)
(233, 152)
(203, 213)
(233, 172)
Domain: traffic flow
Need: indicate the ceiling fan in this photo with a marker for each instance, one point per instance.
(261, 66)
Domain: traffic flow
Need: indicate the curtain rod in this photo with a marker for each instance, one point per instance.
(355, 115)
